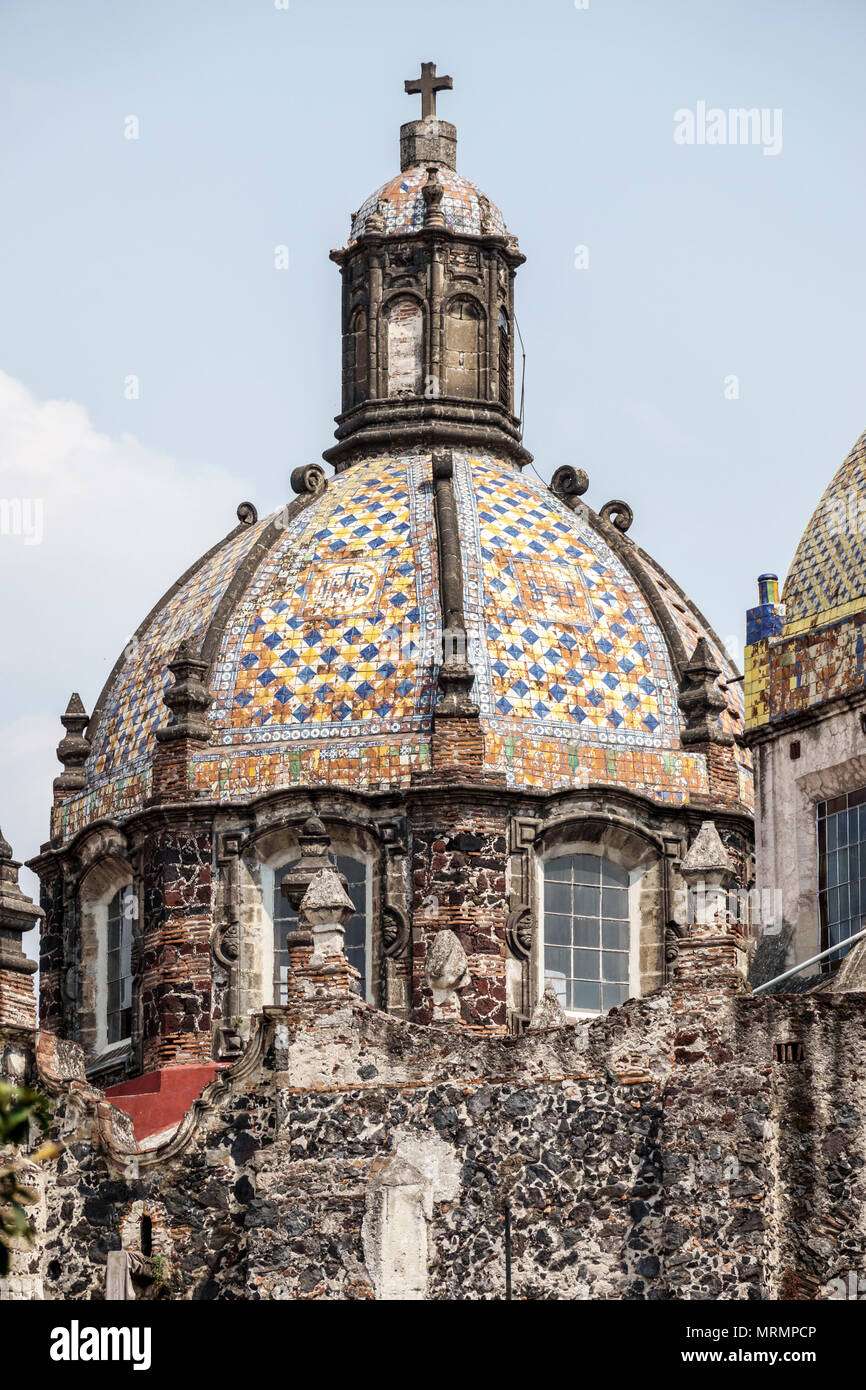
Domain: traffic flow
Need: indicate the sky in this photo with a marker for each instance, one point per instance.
(692, 313)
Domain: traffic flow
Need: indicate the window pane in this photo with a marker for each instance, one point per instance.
(586, 901)
(585, 995)
(557, 897)
(614, 902)
(559, 984)
(614, 966)
(614, 935)
(612, 995)
(559, 869)
(587, 868)
(557, 960)
(586, 965)
(614, 875)
(586, 931)
(557, 930)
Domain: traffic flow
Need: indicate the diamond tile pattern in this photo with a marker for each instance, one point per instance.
(828, 575)
(336, 628)
(326, 671)
(134, 707)
(568, 638)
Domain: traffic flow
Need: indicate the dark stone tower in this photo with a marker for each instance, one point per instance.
(428, 307)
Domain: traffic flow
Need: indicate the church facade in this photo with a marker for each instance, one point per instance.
(391, 940)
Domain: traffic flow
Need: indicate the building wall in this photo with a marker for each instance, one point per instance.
(832, 760)
(698, 1143)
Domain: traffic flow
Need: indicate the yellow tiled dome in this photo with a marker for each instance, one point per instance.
(828, 575)
(324, 655)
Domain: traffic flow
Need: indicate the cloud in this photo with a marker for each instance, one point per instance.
(92, 531)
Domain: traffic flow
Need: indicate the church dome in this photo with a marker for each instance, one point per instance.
(828, 574)
(401, 207)
(320, 626)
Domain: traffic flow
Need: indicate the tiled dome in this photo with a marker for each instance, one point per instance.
(326, 653)
(829, 569)
(401, 204)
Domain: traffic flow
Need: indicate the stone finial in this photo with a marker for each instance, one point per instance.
(548, 1012)
(188, 698)
(446, 967)
(707, 858)
(701, 700)
(73, 749)
(18, 914)
(433, 192)
(325, 901)
(314, 842)
(325, 910)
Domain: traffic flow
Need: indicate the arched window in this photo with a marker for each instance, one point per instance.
(118, 967)
(405, 347)
(359, 357)
(463, 326)
(504, 360)
(586, 931)
(357, 929)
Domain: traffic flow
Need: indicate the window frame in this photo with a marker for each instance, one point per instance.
(853, 799)
(568, 849)
(99, 886)
(105, 1012)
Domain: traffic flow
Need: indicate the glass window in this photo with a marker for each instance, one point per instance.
(118, 973)
(286, 920)
(841, 870)
(586, 931)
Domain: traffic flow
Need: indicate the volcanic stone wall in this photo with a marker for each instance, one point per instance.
(698, 1143)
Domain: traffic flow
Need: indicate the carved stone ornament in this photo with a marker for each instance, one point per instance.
(309, 478)
(618, 514)
(226, 945)
(569, 484)
(548, 1012)
(519, 930)
(395, 931)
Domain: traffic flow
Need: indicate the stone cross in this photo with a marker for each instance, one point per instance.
(428, 84)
